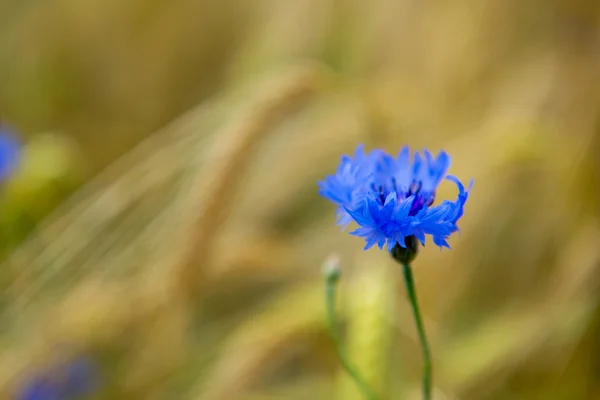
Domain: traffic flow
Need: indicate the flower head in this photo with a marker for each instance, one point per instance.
(391, 198)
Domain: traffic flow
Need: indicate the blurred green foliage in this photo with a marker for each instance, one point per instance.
(164, 216)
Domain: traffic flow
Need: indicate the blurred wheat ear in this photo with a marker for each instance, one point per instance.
(215, 189)
(370, 336)
(107, 257)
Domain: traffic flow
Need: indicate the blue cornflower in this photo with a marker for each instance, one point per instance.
(71, 381)
(9, 152)
(391, 198)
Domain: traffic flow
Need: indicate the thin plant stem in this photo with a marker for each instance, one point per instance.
(427, 373)
(331, 280)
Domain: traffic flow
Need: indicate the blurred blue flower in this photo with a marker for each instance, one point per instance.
(391, 198)
(39, 389)
(9, 152)
(71, 381)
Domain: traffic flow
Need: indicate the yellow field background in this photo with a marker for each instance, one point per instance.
(164, 218)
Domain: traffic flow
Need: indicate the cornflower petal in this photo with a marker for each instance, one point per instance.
(404, 208)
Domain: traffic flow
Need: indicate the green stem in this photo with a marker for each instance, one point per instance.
(331, 281)
(410, 287)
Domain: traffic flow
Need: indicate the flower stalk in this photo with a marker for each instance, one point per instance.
(412, 295)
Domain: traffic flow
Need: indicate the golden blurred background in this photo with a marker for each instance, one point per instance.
(164, 218)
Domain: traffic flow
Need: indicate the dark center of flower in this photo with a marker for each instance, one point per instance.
(422, 199)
